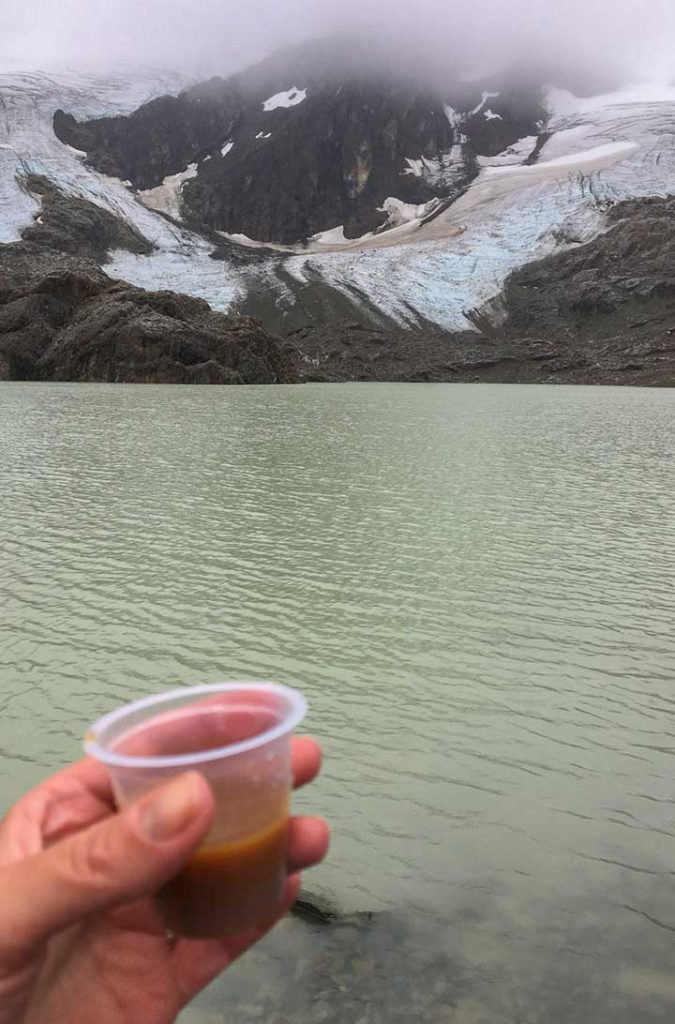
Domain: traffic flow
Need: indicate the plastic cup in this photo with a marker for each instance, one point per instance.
(238, 736)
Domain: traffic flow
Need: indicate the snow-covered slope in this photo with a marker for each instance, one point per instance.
(437, 263)
(28, 146)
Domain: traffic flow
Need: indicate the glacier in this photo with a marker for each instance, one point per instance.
(181, 260)
(431, 265)
(445, 270)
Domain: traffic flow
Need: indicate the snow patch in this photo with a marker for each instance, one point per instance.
(513, 156)
(399, 213)
(253, 243)
(443, 170)
(609, 151)
(598, 154)
(229, 145)
(80, 153)
(485, 97)
(264, 135)
(289, 98)
(453, 116)
(491, 116)
(166, 198)
(570, 141)
(242, 239)
(334, 236)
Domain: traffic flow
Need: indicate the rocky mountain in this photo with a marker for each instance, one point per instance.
(388, 225)
(63, 318)
(281, 155)
(598, 313)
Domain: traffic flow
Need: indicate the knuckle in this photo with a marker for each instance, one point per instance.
(91, 857)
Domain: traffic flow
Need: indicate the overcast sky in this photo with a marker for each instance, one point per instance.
(220, 36)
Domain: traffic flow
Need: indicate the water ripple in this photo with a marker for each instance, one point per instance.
(474, 585)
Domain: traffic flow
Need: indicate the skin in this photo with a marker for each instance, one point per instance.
(80, 938)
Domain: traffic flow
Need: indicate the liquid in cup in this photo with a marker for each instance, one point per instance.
(238, 736)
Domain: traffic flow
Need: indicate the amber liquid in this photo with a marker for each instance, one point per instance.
(229, 887)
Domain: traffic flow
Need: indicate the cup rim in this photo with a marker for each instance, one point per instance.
(297, 707)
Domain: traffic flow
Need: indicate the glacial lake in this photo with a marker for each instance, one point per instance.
(474, 585)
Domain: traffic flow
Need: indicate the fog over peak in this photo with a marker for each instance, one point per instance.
(599, 42)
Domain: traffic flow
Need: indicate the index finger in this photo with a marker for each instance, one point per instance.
(88, 773)
(305, 760)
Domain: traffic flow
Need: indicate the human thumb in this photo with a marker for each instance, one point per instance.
(129, 855)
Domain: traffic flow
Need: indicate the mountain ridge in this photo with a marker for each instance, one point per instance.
(284, 154)
(427, 291)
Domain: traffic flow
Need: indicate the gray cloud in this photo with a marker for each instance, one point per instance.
(220, 36)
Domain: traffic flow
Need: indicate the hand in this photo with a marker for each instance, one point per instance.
(81, 940)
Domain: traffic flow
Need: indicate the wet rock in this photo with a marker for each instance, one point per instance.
(354, 969)
(315, 907)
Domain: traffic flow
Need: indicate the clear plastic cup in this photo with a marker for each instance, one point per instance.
(238, 736)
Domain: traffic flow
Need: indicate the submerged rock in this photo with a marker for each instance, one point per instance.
(378, 968)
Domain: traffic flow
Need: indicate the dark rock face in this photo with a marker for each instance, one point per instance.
(161, 137)
(62, 318)
(591, 290)
(73, 225)
(605, 311)
(332, 160)
(286, 173)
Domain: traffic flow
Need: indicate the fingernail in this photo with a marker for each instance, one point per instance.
(169, 811)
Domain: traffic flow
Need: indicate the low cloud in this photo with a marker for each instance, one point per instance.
(600, 38)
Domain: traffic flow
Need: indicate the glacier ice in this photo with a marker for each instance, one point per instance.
(439, 269)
